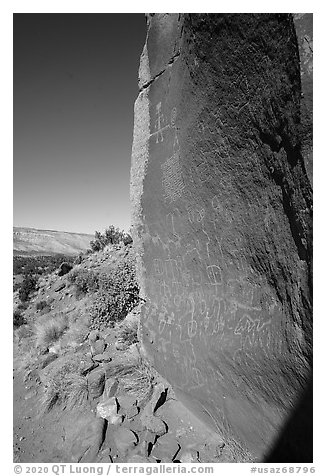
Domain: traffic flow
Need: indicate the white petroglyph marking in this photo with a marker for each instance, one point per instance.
(159, 124)
(172, 181)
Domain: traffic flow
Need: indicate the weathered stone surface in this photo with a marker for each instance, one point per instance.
(47, 359)
(104, 357)
(127, 401)
(96, 381)
(111, 386)
(222, 220)
(304, 29)
(190, 456)
(93, 336)
(131, 412)
(86, 365)
(107, 408)
(138, 459)
(166, 447)
(125, 440)
(119, 345)
(98, 347)
(59, 287)
(87, 439)
(153, 424)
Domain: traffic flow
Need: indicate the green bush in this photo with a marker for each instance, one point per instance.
(118, 294)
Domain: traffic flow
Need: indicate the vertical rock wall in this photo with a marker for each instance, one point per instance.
(222, 217)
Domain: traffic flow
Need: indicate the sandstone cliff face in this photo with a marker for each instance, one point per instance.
(222, 218)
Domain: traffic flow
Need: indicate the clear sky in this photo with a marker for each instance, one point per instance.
(75, 83)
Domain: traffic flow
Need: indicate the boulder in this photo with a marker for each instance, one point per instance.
(166, 447)
(87, 439)
(59, 287)
(222, 222)
(47, 359)
(98, 347)
(104, 357)
(120, 345)
(96, 381)
(111, 386)
(64, 269)
(153, 424)
(108, 410)
(93, 336)
(86, 365)
(127, 401)
(125, 440)
(189, 456)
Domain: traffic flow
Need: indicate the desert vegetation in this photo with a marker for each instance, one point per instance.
(104, 295)
(111, 236)
(39, 265)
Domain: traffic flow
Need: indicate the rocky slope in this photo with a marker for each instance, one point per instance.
(30, 241)
(90, 395)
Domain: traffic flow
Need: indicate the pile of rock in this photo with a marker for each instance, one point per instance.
(130, 428)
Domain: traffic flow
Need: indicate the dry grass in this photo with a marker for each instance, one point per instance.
(64, 385)
(135, 379)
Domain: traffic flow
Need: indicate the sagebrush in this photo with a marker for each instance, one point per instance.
(118, 294)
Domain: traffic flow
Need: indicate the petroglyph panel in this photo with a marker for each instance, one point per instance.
(221, 259)
(173, 184)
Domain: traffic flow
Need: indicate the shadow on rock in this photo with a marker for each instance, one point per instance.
(295, 444)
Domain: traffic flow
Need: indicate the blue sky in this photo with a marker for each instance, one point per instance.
(75, 83)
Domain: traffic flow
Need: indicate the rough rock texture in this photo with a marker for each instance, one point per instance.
(303, 26)
(222, 220)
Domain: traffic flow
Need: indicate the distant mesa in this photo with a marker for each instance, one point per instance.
(30, 241)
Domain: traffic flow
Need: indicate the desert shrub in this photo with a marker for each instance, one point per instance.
(50, 331)
(85, 281)
(118, 294)
(111, 236)
(28, 286)
(18, 319)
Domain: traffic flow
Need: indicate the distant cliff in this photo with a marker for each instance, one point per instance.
(30, 241)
